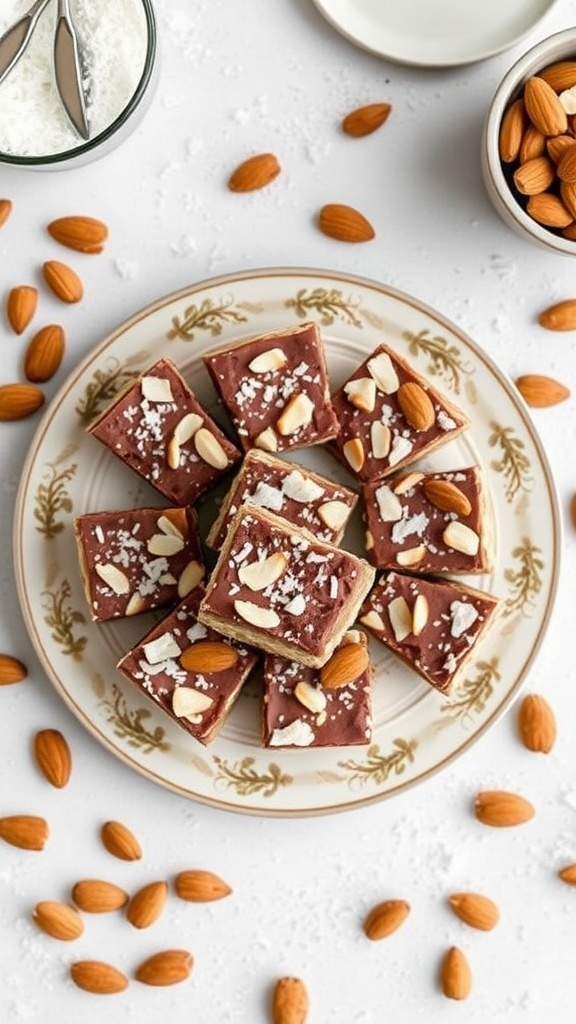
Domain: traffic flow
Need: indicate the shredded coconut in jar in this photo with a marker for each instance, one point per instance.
(113, 40)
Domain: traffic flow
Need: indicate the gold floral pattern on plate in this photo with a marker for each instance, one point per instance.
(62, 478)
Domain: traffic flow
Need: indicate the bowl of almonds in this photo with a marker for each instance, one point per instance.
(529, 145)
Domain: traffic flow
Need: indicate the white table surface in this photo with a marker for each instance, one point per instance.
(236, 78)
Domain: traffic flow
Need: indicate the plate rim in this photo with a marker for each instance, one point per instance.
(250, 275)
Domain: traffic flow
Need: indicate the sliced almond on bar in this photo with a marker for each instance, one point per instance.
(407, 482)
(209, 449)
(135, 605)
(373, 620)
(411, 556)
(400, 618)
(165, 544)
(334, 514)
(269, 361)
(461, 538)
(156, 389)
(261, 574)
(190, 578)
(354, 453)
(256, 615)
(190, 703)
(420, 613)
(297, 413)
(361, 392)
(381, 369)
(389, 505)
(311, 697)
(266, 440)
(113, 577)
(166, 525)
(187, 427)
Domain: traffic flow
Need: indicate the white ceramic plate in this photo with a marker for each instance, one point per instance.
(434, 33)
(416, 731)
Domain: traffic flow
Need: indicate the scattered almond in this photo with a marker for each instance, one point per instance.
(512, 131)
(168, 967)
(17, 401)
(83, 234)
(44, 354)
(26, 831)
(346, 664)
(475, 910)
(63, 281)
(21, 306)
(501, 809)
(53, 757)
(209, 656)
(5, 210)
(533, 145)
(543, 107)
(536, 724)
(447, 496)
(58, 920)
(147, 904)
(94, 896)
(548, 210)
(98, 977)
(568, 874)
(539, 391)
(559, 317)
(566, 168)
(200, 886)
(560, 76)
(535, 175)
(385, 918)
(254, 173)
(455, 975)
(120, 841)
(344, 223)
(289, 1001)
(557, 146)
(12, 670)
(365, 120)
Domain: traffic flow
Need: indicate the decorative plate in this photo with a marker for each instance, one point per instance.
(434, 33)
(416, 730)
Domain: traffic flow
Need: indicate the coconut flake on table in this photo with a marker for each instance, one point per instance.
(113, 39)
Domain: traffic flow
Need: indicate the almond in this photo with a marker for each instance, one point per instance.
(548, 210)
(95, 896)
(257, 615)
(455, 975)
(21, 306)
(63, 281)
(512, 131)
(385, 918)
(568, 196)
(533, 145)
(557, 146)
(560, 76)
(289, 1001)
(416, 406)
(568, 874)
(536, 724)
(544, 108)
(44, 354)
(346, 664)
(58, 920)
(566, 167)
(344, 223)
(353, 451)
(296, 414)
(254, 173)
(475, 910)
(262, 574)
(83, 234)
(11, 670)
(539, 391)
(200, 886)
(209, 656)
(5, 210)
(502, 809)
(147, 904)
(53, 757)
(25, 831)
(98, 977)
(120, 841)
(168, 967)
(365, 120)
(19, 400)
(559, 317)
(535, 175)
(446, 496)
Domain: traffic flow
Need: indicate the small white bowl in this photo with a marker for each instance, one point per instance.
(498, 176)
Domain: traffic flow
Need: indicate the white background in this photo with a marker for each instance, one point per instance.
(238, 77)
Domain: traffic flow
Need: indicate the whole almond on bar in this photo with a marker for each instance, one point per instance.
(5, 210)
(512, 131)
(385, 918)
(209, 656)
(168, 967)
(12, 670)
(536, 724)
(446, 496)
(58, 920)
(544, 108)
(83, 234)
(455, 975)
(501, 809)
(289, 1001)
(198, 886)
(17, 401)
(44, 354)
(365, 120)
(416, 405)
(540, 391)
(147, 904)
(21, 306)
(120, 841)
(26, 831)
(346, 664)
(254, 173)
(568, 874)
(535, 175)
(96, 896)
(98, 977)
(344, 223)
(53, 757)
(549, 210)
(559, 317)
(560, 76)
(63, 281)
(475, 910)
